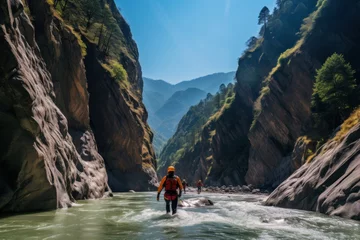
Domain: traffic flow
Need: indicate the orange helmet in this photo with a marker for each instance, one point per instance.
(171, 169)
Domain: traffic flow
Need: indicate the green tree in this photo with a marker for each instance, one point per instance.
(334, 88)
(217, 100)
(56, 2)
(106, 17)
(264, 16)
(91, 9)
(209, 96)
(113, 30)
(222, 89)
(251, 42)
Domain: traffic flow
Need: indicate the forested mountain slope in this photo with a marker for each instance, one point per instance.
(186, 149)
(174, 109)
(168, 103)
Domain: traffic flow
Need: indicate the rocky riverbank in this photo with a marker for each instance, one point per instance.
(230, 189)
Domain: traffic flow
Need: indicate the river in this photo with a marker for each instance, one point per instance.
(140, 216)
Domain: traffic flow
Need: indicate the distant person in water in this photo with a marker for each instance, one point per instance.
(184, 183)
(199, 186)
(171, 183)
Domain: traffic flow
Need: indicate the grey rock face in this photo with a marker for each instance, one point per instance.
(330, 184)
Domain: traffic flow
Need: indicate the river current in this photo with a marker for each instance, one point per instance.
(140, 216)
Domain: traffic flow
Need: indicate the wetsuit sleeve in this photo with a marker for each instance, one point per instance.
(161, 185)
(180, 184)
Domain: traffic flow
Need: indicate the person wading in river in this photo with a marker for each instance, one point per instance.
(199, 186)
(171, 183)
(184, 183)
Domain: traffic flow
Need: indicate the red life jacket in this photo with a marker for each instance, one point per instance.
(171, 184)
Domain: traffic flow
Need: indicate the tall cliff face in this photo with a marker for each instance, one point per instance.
(230, 145)
(41, 167)
(62, 54)
(118, 115)
(51, 126)
(284, 113)
(285, 109)
(119, 121)
(330, 182)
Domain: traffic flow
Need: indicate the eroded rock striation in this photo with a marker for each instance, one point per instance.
(41, 167)
(330, 184)
(49, 154)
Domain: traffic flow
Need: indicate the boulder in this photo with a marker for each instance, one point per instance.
(195, 202)
(246, 188)
(254, 191)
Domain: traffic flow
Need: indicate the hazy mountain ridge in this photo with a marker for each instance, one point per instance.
(167, 103)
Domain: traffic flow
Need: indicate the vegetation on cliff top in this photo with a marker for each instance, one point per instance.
(282, 24)
(335, 87)
(98, 22)
(349, 123)
(118, 72)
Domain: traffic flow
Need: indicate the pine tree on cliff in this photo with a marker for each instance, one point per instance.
(222, 89)
(251, 42)
(91, 9)
(106, 18)
(264, 16)
(113, 28)
(334, 88)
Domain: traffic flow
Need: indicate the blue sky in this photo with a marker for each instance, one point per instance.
(184, 39)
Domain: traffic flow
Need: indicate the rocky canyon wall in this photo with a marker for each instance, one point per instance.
(285, 110)
(41, 168)
(118, 118)
(330, 184)
(231, 145)
(58, 142)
